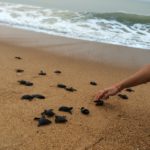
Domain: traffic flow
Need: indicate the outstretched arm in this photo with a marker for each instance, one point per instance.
(140, 77)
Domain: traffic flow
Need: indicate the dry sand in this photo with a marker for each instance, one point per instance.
(119, 125)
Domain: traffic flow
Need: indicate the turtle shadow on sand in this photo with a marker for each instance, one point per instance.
(108, 106)
(112, 108)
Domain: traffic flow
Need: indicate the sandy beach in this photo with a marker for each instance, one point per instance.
(118, 125)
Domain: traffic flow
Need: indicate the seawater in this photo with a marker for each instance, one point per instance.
(120, 28)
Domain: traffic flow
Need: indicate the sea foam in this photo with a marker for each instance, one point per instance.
(115, 28)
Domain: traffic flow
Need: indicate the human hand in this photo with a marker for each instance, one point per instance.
(104, 94)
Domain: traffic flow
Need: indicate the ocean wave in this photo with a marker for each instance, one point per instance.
(123, 17)
(115, 28)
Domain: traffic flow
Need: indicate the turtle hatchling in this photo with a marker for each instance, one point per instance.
(27, 97)
(60, 119)
(66, 109)
(42, 73)
(48, 113)
(60, 85)
(19, 70)
(93, 83)
(27, 83)
(57, 71)
(99, 102)
(129, 90)
(42, 121)
(123, 96)
(70, 89)
(17, 57)
(84, 111)
(39, 96)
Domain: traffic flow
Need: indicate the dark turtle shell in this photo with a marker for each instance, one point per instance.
(48, 113)
(22, 81)
(57, 71)
(99, 102)
(42, 121)
(39, 96)
(19, 70)
(60, 119)
(93, 83)
(27, 97)
(42, 73)
(36, 118)
(60, 85)
(66, 109)
(123, 96)
(84, 111)
(27, 83)
(129, 90)
(30, 97)
(70, 89)
(17, 57)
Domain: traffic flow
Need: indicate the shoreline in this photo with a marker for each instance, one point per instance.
(67, 37)
(110, 54)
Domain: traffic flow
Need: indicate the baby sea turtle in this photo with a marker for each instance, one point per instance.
(48, 113)
(57, 71)
(70, 89)
(99, 102)
(60, 85)
(42, 73)
(93, 83)
(42, 121)
(30, 97)
(27, 97)
(65, 109)
(19, 70)
(27, 83)
(129, 90)
(60, 119)
(39, 96)
(17, 57)
(123, 96)
(84, 111)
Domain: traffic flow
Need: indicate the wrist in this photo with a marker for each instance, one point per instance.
(119, 87)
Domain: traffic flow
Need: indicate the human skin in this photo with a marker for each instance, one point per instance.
(140, 77)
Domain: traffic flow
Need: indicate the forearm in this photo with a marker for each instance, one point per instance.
(140, 77)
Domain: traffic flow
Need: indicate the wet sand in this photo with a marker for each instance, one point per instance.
(120, 124)
(96, 52)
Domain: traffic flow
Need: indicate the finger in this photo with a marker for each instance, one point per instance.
(106, 97)
(97, 95)
(108, 94)
(100, 95)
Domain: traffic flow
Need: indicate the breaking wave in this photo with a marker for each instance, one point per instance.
(116, 28)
